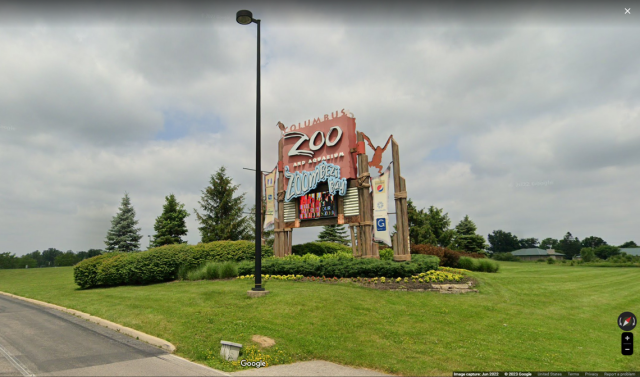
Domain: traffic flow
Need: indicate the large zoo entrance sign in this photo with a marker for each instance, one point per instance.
(323, 179)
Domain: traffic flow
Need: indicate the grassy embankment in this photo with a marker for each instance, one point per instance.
(526, 317)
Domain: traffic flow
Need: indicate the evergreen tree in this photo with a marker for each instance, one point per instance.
(123, 235)
(171, 225)
(222, 217)
(334, 233)
(466, 238)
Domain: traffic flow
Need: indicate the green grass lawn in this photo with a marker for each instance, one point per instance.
(526, 317)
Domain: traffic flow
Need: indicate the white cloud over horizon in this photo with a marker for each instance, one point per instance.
(90, 110)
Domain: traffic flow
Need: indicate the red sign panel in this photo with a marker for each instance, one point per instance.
(330, 139)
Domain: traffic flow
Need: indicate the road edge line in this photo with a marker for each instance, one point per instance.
(150, 339)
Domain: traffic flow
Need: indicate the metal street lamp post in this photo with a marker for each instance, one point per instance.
(245, 17)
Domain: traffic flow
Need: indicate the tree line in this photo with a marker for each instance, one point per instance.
(50, 257)
(504, 242)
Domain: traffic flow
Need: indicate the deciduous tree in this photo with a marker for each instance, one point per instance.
(502, 242)
(628, 244)
(549, 243)
(528, 243)
(592, 242)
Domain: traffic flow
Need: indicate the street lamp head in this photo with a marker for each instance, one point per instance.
(244, 17)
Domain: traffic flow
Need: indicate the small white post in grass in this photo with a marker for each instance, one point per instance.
(230, 351)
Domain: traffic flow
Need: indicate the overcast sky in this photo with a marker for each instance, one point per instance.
(527, 119)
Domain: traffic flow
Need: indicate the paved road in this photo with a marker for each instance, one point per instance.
(45, 342)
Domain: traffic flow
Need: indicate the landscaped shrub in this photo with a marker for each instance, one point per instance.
(587, 254)
(197, 274)
(448, 257)
(158, 264)
(487, 265)
(466, 264)
(308, 257)
(477, 264)
(182, 272)
(212, 270)
(551, 260)
(319, 248)
(508, 257)
(86, 276)
(228, 270)
(342, 268)
(386, 254)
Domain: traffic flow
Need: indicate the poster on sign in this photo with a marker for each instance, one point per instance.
(317, 205)
(380, 207)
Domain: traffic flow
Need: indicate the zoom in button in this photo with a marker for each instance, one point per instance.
(627, 343)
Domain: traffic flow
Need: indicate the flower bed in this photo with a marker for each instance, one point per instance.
(431, 280)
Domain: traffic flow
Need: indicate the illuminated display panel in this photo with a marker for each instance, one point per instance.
(317, 205)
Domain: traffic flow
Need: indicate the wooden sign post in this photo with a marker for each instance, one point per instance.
(401, 251)
(365, 228)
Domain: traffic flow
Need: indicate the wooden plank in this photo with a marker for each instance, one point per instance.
(290, 243)
(353, 241)
(280, 237)
(400, 216)
(351, 219)
(376, 251)
(359, 241)
(366, 209)
(405, 223)
(322, 222)
(394, 243)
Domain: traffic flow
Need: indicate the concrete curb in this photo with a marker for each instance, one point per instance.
(157, 342)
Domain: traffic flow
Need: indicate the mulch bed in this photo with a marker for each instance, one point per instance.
(463, 286)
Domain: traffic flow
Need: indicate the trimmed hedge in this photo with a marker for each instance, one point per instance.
(320, 248)
(448, 258)
(345, 268)
(158, 264)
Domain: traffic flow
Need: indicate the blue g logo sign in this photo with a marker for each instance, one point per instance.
(381, 225)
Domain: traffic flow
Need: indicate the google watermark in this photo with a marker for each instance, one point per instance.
(531, 184)
(7, 128)
(256, 364)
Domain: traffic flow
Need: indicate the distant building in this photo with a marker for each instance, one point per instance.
(535, 254)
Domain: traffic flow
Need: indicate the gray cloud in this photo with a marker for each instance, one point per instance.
(477, 105)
